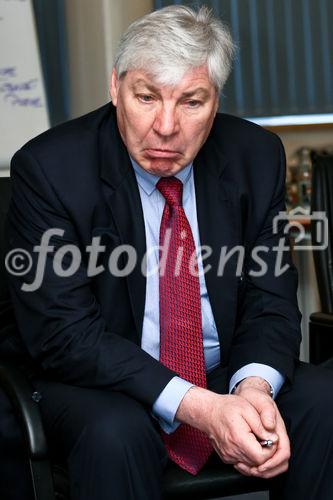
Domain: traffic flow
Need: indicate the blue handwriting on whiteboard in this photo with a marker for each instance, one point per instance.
(17, 87)
(14, 93)
(17, 100)
(8, 72)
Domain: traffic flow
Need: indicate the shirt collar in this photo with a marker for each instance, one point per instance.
(148, 181)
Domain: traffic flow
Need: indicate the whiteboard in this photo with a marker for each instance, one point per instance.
(23, 111)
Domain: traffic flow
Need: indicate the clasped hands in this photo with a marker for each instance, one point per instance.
(236, 423)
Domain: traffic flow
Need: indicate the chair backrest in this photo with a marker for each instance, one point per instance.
(7, 321)
(322, 200)
(4, 202)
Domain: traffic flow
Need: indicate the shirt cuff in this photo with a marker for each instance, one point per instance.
(272, 376)
(167, 403)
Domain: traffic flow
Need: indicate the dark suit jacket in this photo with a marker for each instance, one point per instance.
(87, 331)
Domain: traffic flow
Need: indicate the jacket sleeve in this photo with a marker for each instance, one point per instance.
(59, 319)
(268, 326)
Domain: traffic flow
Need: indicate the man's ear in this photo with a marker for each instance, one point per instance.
(114, 83)
(217, 102)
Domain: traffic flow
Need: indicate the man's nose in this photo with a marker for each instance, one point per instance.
(166, 121)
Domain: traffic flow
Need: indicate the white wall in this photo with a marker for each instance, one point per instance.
(94, 28)
(313, 137)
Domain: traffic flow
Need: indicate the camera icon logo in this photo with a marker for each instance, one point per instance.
(295, 224)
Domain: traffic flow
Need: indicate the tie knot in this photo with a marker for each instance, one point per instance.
(172, 190)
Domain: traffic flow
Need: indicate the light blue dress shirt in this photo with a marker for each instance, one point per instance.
(166, 405)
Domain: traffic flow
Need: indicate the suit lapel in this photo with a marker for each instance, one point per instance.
(218, 228)
(124, 201)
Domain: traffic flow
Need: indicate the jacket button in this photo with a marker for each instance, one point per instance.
(36, 396)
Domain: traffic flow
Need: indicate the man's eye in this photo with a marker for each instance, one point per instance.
(145, 98)
(193, 103)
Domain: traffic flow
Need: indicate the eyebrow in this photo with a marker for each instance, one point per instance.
(146, 84)
(190, 93)
(199, 90)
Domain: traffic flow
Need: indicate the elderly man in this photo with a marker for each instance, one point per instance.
(153, 327)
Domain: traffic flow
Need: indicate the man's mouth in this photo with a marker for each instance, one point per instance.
(161, 153)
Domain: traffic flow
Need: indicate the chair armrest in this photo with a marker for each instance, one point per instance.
(19, 391)
(322, 318)
(320, 337)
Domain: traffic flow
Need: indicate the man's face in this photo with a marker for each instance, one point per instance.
(164, 126)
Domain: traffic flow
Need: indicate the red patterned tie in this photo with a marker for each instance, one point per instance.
(181, 344)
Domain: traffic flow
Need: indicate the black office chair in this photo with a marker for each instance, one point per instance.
(49, 479)
(321, 323)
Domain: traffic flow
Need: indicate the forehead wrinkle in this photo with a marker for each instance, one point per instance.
(189, 93)
(199, 90)
(142, 81)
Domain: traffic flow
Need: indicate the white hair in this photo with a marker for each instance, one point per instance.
(168, 42)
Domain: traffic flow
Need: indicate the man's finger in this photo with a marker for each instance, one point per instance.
(268, 417)
(264, 405)
(241, 453)
(253, 451)
(283, 467)
(254, 421)
(243, 469)
(282, 454)
(254, 471)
